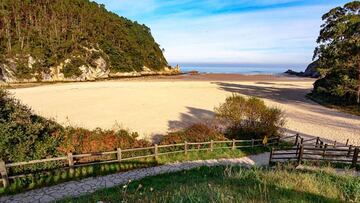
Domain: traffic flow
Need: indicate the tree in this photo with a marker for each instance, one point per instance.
(339, 54)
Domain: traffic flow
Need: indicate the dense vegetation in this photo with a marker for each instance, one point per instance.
(234, 184)
(338, 56)
(53, 31)
(249, 118)
(25, 136)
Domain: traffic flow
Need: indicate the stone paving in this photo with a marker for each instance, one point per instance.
(90, 185)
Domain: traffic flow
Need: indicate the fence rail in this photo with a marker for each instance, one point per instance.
(316, 149)
(153, 151)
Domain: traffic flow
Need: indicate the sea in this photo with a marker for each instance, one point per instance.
(246, 69)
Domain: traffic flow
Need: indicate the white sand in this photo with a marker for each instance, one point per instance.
(156, 107)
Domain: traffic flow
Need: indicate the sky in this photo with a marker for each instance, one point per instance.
(230, 31)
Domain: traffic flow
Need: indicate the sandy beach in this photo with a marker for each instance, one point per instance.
(156, 105)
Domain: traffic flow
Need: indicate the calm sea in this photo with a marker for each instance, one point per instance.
(241, 69)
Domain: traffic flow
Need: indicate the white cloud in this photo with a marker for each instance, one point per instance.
(264, 36)
(278, 35)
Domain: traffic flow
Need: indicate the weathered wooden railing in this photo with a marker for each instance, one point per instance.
(316, 149)
(155, 151)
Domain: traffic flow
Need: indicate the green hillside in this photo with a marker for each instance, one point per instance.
(36, 35)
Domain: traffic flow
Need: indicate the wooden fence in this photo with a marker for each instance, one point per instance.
(317, 150)
(140, 153)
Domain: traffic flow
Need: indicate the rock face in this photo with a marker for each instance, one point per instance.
(96, 69)
(311, 71)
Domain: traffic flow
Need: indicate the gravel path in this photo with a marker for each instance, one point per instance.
(90, 185)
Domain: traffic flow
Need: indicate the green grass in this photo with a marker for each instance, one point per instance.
(234, 184)
(58, 176)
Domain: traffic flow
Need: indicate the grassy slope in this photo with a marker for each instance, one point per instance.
(225, 184)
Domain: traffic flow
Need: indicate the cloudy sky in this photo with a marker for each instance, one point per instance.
(230, 31)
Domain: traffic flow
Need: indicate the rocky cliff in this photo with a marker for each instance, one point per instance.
(310, 71)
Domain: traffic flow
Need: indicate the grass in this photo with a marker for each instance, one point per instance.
(234, 184)
(351, 109)
(58, 176)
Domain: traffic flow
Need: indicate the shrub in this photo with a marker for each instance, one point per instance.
(79, 140)
(249, 118)
(23, 135)
(194, 133)
(72, 69)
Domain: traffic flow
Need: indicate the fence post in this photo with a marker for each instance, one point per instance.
(317, 142)
(347, 142)
(297, 149)
(355, 157)
(156, 152)
(119, 155)
(4, 174)
(271, 155)
(211, 145)
(186, 147)
(71, 162)
(349, 152)
(252, 143)
(301, 153)
(296, 139)
(233, 144)
(335, 142)
(302, 141)
(324, 152)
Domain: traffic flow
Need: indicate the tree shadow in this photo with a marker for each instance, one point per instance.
(284, 95)
(192, 116)
(307, 136)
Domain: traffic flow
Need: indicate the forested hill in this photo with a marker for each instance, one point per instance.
(71, 39)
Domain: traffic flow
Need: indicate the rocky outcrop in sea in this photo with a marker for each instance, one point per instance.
(311, 71)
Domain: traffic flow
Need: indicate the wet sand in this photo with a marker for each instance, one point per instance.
(155, 105)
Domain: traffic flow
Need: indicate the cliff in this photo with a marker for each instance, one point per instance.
(310, 71)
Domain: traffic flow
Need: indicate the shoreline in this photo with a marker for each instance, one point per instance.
(210, 77)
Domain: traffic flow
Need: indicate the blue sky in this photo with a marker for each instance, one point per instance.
(230, 31)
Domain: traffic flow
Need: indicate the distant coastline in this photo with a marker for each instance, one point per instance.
(238, 69)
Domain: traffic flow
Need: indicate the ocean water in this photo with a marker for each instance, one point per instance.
(241, 69)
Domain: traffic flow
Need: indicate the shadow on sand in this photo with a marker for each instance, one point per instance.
(192, 116)
(289, 94)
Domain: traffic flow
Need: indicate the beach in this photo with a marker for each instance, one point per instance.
(156, 105)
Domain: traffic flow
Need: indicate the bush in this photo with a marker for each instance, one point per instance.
(249, 118)
(194, 133)
(23, 135)
(79, 140)
(72, 69)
